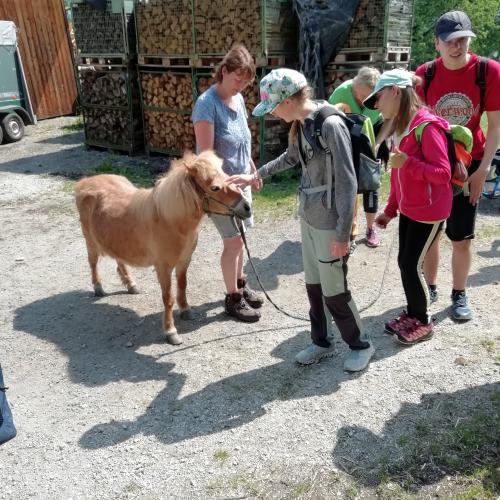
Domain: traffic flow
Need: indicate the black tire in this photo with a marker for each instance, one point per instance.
(1, 135)
(12, 127)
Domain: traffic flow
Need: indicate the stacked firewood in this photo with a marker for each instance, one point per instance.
(275, 138)
(219, 24)
(169, 131)
(254, 126)
(368, 25)
(164, 27)
(167, 90)
(108, 126)
(97, 31)
(103, 88)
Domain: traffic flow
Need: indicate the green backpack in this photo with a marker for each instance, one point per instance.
(460, 141)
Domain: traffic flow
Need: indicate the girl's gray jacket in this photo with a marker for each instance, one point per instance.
(313, 206)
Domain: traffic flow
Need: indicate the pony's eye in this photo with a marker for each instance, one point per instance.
(215, 188)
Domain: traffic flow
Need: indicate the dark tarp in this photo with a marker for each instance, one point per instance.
(98, 4)
(323, 29)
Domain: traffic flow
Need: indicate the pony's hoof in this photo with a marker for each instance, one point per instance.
(99, 291)
(133, 290)
(187, 315)
(174, 338)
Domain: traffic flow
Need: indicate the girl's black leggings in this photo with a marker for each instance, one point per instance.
(415, 238)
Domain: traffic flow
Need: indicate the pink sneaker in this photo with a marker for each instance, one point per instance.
(372, 239)
(413, 334)
(394, 326)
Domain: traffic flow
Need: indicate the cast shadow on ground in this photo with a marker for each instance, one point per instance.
(494, 252)
(74, 162)
(441, 434)
(102, 344)
(286, 260)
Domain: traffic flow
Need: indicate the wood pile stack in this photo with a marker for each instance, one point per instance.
(164, 27)
(169, 131)
(254, 126)
(99, 32)
(103, 88)
(275, 137)
(172, 90)
(219, 24)
(368, 26)
(108, 126)
(381, 23)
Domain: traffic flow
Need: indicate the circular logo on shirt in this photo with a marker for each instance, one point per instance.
(455, 108)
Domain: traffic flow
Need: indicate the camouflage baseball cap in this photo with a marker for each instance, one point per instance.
(277, 86)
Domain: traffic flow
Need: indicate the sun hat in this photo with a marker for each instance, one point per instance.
(398, 77)
(453, 24)
(277, 86)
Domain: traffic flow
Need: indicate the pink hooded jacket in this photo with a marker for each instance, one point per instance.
(421, 188)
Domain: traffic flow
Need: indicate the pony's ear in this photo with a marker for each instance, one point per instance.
(189, 161)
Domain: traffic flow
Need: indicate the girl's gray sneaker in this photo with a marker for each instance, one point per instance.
(358, 360)
(313, 354)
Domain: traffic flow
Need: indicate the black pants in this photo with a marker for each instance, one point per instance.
(415, 238)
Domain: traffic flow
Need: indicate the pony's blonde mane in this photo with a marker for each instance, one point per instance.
(175, 195)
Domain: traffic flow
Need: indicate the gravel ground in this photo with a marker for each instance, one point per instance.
(105, 408)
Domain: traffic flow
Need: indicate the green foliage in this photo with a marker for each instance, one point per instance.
(485, 17)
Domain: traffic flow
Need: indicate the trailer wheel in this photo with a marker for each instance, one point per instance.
(12, 127)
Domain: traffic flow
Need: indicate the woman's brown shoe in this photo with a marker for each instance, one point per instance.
(235, 305)
(251, 296)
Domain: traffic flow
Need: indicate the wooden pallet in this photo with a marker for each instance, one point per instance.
(165, 61)
(262, 61)
(104, 60)
(370, 56)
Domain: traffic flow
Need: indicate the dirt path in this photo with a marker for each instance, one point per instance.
(106, 409)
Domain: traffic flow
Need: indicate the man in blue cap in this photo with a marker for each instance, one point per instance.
(459, 86)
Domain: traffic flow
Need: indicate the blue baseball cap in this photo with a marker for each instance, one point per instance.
(453, 24)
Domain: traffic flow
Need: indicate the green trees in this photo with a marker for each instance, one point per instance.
(485, 17)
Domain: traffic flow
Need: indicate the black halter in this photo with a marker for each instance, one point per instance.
(206, 198)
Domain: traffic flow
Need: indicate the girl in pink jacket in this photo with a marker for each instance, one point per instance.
(420, 191)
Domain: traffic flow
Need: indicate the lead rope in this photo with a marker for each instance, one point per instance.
(301, 318)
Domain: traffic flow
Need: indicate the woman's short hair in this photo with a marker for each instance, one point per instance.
(237, 59)
(367, 76)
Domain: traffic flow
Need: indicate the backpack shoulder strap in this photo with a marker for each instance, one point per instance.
(320, 118)
(429, 74)
(481, 71)
(450, 143)
(419, 130)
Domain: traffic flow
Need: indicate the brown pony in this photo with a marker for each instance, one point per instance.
(155, 227)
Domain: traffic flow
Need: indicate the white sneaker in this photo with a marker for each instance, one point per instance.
(358, 360)
(313, 354)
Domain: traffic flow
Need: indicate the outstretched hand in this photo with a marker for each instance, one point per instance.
(241, 180)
